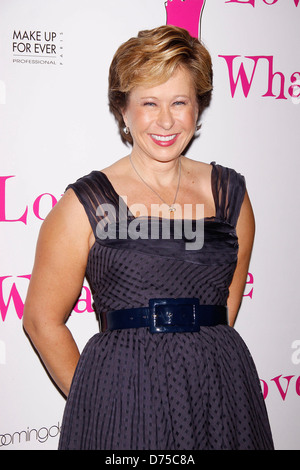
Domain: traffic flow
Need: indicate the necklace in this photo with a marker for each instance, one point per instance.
(171, 206)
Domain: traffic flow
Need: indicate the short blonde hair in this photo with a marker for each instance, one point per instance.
(150, 59)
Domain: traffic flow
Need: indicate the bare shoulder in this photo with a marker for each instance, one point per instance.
(67, 222)
(196, 166)
(68, 208)
(120, 167)
(198, 170)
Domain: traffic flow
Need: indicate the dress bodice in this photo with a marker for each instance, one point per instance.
(127, 265)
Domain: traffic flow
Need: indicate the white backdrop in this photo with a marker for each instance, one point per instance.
(55, 127)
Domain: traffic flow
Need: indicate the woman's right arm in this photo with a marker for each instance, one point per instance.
(56, 282)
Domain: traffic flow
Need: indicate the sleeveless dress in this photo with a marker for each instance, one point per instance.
(134, 390)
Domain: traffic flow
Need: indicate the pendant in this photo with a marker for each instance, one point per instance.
(172, 208)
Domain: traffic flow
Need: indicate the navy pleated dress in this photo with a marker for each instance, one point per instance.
(134, 390)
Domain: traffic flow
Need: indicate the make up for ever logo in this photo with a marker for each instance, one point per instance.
(37, 47)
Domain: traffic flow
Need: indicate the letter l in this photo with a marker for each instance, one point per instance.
(23, 218)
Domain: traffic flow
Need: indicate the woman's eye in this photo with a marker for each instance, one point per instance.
(149, 103)
(179, 103)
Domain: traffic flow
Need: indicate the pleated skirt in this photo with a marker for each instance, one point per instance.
(133, 390)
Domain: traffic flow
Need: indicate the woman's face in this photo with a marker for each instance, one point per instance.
(162, 118)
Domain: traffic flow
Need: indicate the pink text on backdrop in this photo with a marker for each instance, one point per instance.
(282, 386)
(14, 297)
(266, 2)
(246, 83)
(24, 210)
(83, 304)
(185, 15)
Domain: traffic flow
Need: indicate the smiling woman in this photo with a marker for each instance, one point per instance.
(150, 60)
(162, 119)
(167, 371)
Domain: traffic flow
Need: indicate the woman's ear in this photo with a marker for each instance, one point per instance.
(123, 112)
(125, 120)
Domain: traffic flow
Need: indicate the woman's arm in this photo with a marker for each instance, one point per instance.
(245, 231)
(56, 282)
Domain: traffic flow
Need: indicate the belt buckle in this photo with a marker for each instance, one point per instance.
(174, 315)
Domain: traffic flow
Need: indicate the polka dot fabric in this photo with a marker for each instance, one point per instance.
(134, 390)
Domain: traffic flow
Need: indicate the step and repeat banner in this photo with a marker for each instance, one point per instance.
(55, 127)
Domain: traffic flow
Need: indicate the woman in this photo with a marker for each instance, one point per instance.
(167, 371)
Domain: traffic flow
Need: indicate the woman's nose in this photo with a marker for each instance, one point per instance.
(165, 118)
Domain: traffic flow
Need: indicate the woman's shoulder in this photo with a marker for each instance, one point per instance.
(67, 220)
(196, 164)
(224, 170)
(196, 167)
(201, 172)
(118, 169)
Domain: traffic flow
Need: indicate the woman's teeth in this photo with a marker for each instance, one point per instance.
(163, 138)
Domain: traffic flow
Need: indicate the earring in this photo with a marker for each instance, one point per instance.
(197, 129)
(126, 130)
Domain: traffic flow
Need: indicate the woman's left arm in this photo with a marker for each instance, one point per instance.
(245, 230)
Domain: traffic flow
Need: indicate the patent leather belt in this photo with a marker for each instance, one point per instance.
(168, 316)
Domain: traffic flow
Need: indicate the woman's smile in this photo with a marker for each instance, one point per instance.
(162, 119)
(164, 140)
